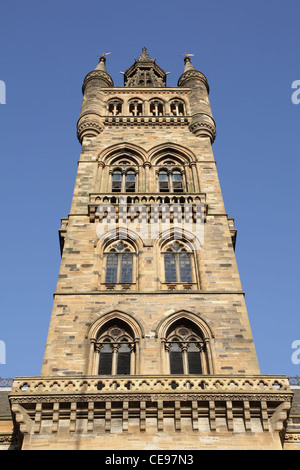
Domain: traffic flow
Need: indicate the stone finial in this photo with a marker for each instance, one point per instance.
(144, 57)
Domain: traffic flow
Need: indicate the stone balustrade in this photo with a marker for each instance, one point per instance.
(191, 207)
(154, 384)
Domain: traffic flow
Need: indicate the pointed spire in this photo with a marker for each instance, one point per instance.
(100, 74)
(190, 73)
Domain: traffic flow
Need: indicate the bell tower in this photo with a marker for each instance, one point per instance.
(149, 343)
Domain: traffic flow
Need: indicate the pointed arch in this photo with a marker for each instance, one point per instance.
(193, 240)
(124, 150)
(182, 154)
(119, 259)
(105, 238)
(107, 317)
(165, 324)
(186, 344)
(114, 344)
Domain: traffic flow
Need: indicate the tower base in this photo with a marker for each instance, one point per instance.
(151, 413)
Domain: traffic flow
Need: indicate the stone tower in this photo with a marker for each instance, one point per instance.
(149, 344)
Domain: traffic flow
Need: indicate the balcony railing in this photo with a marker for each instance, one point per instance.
(146, 120)
(149, 384)
(154, 205)
(6, 382)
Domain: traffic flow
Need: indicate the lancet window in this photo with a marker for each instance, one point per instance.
(135, 108)
(186, 349)
(115, 107)
(177, 108)
(156, 108)
(119, 263)
(178, 263)
(116, 348)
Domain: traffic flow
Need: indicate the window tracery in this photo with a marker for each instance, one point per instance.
(178, 263)
(116, 348)
(119, 263)
(185, 347)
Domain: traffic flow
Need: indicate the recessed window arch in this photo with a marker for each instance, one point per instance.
(135, 107)
(116, 347)
(178, 263)
(115, 107)
(186, 348)
(119, 259)
(177, 107)
(156, 107)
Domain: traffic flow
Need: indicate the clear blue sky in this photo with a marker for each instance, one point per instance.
(249, 52)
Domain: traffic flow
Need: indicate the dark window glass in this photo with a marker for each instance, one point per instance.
(176, 359)
(117, 181)
(163, 182)
(170, 268)
(185, 267)
(123, 364)
(194, 359)
(177, 182)
(130, 182)
(111, 268)
(105, 360)
(126, 267)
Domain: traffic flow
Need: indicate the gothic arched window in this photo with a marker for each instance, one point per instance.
(156, 108)
(186, 349)
(116, 347)
(119, 263)
(177, 107)
(115, 107)
(178, 263)
(135, 107)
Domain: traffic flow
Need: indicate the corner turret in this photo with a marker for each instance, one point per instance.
(90, 122)
(203, 124)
